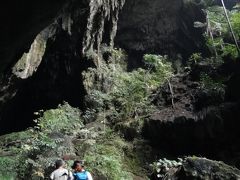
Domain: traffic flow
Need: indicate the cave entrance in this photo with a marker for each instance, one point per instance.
(53, 83)
(58, 79)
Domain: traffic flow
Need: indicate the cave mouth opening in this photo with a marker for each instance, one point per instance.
(52, 84)
(57, 79)
(18, 113)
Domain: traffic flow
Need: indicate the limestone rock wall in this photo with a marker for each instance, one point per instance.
(49, 70)
(160, 27)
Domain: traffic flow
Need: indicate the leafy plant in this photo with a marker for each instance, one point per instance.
(8, 168)
(222, 31)
(195, 58)
(107, 158)
(63, 119)
(235, 19)
(230, 50)
(36, 149)
(161, 64)
(125, 95)
(230, 26)
(162, 166)
(214, 86)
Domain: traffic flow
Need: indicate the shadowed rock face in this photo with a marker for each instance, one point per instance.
(200, 122)
(201, 169)
(21, 22)
(49, 72)
(159, 26)
(229, 3)
(73, 29)
(85, 24)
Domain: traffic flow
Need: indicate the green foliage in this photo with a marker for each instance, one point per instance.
(13, 142)
(125, 95)
(195, 58)
(36, 149)
(12, 145)
(207, 2)
(215, 86)
(217, 19)
(107, 158)
(116, 96)
(152, 59)
(7, 177)
(162, 166)
(130, 93)
(219, 39)
(235, 19)
(63, 119)
(40, 149)
(41, 143)
(118, 56)
(161, 64)
(230, 50)
(8, 168)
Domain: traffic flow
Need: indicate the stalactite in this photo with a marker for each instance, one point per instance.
(100, 12)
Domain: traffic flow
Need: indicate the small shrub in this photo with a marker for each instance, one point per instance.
(195, 58)
(161, 64)
(162, 166)
(64, 119)
(230, 50)
(235, 19)
(209, 83)
(107, 158)
(124, 95)
(8, 168)
(213, 86)
(39, 147)
(218, 36)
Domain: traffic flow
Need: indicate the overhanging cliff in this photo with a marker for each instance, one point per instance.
(46, 71)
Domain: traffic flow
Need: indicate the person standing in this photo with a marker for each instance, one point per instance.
(61, 173)
(79, 172)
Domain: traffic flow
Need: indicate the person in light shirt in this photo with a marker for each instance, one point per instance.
(61, 173)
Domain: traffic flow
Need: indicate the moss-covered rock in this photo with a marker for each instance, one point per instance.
(195, 168)
(202, 168)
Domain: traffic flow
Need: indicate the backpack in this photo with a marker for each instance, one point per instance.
(81, 175)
